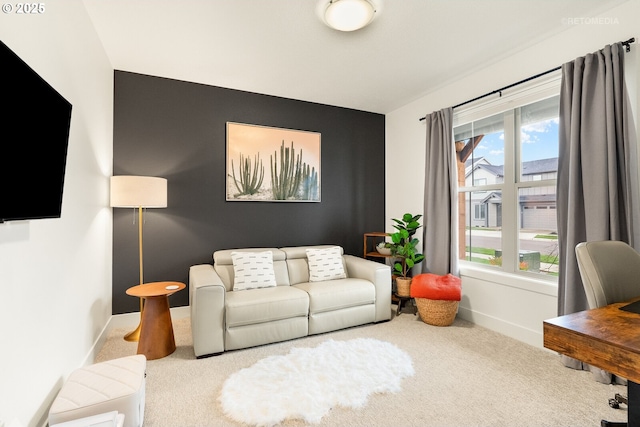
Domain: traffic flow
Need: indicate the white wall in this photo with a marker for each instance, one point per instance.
(55, 274)
(513, 307)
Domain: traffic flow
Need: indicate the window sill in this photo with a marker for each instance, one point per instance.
(518, 281)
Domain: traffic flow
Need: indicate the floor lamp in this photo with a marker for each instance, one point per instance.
(138, 192)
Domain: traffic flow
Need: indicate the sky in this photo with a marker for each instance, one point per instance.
(538, 141)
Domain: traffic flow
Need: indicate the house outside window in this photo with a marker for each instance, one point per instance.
(509, 187)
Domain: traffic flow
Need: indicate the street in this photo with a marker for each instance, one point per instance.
(527, 243)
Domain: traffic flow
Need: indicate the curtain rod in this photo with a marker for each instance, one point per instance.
(626, 44)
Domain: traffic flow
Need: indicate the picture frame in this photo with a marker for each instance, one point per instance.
(270, 164)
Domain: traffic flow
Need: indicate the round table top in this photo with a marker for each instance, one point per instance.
(155, 289)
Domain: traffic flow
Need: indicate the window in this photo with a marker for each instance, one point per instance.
(481, 211)
(509, 185)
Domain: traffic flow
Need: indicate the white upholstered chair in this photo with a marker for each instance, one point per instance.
(610, 272)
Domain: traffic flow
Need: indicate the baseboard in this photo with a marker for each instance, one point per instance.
(131, 320)
(509, 329)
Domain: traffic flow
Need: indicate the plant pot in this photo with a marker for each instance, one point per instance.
(403, 285)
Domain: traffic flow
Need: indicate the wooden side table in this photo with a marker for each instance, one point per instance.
(402, 302)
(370, 242)
(156, 330)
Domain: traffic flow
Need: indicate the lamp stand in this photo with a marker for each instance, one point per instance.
(135, 334)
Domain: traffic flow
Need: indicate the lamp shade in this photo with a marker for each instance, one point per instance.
(128, 191)
(348, 15)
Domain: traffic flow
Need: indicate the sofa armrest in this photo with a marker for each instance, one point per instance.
(206, 301)
(378, 274)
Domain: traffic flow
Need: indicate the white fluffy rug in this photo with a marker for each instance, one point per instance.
(308, 382)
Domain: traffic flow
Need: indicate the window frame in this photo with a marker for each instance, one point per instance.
(509, 105)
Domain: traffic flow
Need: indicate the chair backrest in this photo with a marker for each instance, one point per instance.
(610, 271)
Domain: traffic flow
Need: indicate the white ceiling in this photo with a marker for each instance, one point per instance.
(281, 48)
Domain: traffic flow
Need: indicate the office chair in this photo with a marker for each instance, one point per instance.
(609, 271)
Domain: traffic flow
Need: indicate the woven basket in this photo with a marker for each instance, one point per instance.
(437, 312)
(403, 287)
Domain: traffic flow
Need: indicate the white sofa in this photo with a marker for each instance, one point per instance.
(298, 305)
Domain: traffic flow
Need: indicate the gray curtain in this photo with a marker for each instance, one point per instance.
(594, 177)
(440, 234)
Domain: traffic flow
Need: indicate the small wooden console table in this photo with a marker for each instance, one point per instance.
(156, 330)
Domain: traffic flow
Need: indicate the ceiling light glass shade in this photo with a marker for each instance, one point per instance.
(129, 191)
(349, 15)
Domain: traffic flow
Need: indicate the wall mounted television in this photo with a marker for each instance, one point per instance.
(34, 136)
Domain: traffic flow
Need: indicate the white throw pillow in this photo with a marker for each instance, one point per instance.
(325, 264)
(253, 270)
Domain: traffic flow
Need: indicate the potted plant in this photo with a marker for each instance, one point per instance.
(404, 247)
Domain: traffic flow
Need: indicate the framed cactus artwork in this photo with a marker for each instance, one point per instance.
(269, 164)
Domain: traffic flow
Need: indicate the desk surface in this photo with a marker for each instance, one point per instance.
(606, 337)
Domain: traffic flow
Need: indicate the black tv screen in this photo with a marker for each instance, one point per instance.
(34, 136)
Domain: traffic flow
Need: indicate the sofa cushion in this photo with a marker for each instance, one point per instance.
(223, 265)
(297, 263)
(265, 305)
(325, 264)
(253, 270)
(337, 294)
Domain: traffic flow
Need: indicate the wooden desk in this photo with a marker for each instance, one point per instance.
(606, 337)
(156, 330)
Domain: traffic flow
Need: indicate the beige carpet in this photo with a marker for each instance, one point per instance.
(465, 375)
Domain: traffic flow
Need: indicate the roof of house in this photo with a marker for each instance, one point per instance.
(540, 166)
(472, 159)
(496, 170)
(531, 167)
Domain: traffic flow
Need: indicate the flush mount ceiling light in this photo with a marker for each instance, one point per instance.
(347, 15)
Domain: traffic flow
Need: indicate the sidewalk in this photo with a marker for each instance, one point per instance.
(524, 234)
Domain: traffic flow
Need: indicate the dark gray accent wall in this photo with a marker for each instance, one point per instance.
(177, 130)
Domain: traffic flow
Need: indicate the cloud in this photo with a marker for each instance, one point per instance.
(525, 138)
(528, 132)
(543, 126)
